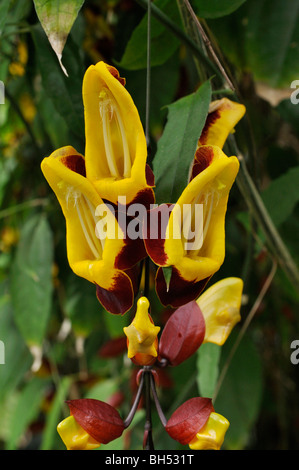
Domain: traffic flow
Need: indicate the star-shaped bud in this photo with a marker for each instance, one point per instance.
(142, 335)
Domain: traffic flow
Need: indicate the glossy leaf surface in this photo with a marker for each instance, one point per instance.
(183, 334)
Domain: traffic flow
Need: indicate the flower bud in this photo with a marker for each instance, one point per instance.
(141, 335)
(195, 423)
(74, 436)
(91, 423)
(220, 305)
(211, 436)
(183, 334)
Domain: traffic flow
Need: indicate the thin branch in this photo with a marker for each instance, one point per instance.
(23, 205)
(148, 73)
(132, 411)
(245, 326)
(208, 44)
(148, 437)
(180, 34)
(157, 403)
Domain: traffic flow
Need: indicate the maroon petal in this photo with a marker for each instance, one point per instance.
(75, 163)
(155, 232)
(203, 158)
(188, 419)
(179, 291)
(183, 333)
(211, 119)
(132, 225)
(100, 420)
(119, 298)
(150, 177)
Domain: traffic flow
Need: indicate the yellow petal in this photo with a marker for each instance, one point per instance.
(116, 149)
(74, 436)
(223, 116)
(220, 305)
(211, 436)
(90, 248)
(208, 190)
(142, 333)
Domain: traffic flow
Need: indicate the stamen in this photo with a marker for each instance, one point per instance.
(208, 214)
(87, 235)
(126, 156)
(104, 111)
(108, 111)
(93, 212)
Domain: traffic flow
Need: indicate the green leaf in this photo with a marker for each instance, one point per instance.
(239, 398)
(164, 83)
(16, 354)
(82, 306)
(65, 92)
(163, 44)
(215, 8)
(52, 419)
(281, 196)
(177, 146)
(262, 37)
(290, 113)
(167, 273)
(272, 40)
(208, 356)
(26, 410)
(4, 7)
(103, 390)
(31, 280)
(57, 18)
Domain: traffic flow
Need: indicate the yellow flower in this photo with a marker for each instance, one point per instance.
(94, 239)
(220, 305)
(114, 167)
(211, 436)
(116, 149)
(194, 241)
(223, 116)
(142, 335)
(74, 436)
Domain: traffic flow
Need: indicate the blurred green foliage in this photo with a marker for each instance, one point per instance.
(51, 323)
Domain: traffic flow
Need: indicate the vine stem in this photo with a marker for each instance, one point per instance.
(22, 206)
(208, 44)
(132, 411)
(180, 34)
(148, 443)
(148, 72)
(157, 403)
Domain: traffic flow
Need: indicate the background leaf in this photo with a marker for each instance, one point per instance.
(26, 410)
(262, 37)
(176, 147)
(281, 196)
(57, 18)
(215, 8)
(17, 356)
(242, 397)
(208, 357)
(163, 45)
(65, 92)
(31, 280)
